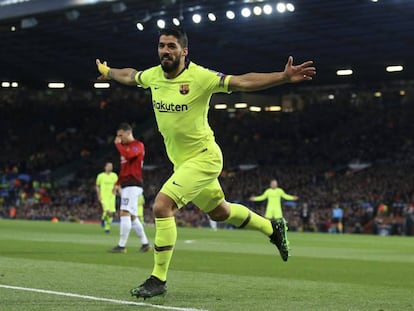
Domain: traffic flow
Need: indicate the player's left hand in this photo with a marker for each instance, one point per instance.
(299, 73)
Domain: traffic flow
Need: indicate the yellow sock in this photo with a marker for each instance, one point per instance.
(108, 222)
(242, 217)
(165, 238)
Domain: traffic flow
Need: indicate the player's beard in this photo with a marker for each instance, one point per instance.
(170, 67)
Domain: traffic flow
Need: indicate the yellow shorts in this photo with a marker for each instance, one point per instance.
(108, 204)
(196, 181)
(272, 212)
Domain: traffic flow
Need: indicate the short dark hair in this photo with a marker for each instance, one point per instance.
(125, 127)
(179, 33)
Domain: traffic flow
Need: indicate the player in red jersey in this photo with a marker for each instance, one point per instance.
(129, 184)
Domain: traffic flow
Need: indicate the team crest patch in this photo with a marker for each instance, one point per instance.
(184, 89)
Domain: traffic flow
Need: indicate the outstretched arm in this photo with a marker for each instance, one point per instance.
(125, 76)
(258, 198)
(259, 81)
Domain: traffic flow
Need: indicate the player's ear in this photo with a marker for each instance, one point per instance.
(185, 52)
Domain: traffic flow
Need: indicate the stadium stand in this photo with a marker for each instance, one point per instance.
(355, 151)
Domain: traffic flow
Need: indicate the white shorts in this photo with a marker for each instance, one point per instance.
(129, 199)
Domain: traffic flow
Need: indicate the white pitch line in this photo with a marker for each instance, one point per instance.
(122, 302)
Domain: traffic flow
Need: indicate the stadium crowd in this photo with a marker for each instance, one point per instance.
(355, 152)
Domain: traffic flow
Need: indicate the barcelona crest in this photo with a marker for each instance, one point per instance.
(184, 89)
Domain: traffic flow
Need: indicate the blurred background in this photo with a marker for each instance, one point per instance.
(343, 140)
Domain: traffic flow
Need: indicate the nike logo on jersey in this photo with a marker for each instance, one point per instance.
(174, 183)
(156, 87)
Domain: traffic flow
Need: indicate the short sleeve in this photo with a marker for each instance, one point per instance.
(146, 77)
(214, 81)
(139, 79)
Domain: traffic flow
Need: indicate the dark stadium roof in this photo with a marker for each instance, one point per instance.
(362, 35)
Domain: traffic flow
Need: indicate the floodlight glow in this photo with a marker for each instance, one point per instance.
(140, 26)
(246, 12)
(344, 72)
(220, 106)
(230, 14)
(255, 109)
(290, 7)
(212, 17)
(13, 28)
(240, 105)
(402, 92)
(394, 68)
(274, 108)
(377, 94)
(331, 96)
(267, 9)
(196, 18)
(257, 10)
(176, 21)
(14, 84)
(161, 23)
(5, 84)
(281, 7)
(101, 85)
(56, 85)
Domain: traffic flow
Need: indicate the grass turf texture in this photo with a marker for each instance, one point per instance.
(223, 270)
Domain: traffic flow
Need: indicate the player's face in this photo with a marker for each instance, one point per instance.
(108, 167)
(124, 136)
(170, 53)
(273, 184)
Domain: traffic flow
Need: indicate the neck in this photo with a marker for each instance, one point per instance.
(175, 73)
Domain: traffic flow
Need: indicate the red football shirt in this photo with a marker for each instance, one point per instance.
(132, 159)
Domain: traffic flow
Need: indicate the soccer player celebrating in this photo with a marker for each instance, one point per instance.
(274, 195)
(181, 91)
(130, 181)
(105, 183)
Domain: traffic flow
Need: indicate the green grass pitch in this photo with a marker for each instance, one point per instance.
(223, 270)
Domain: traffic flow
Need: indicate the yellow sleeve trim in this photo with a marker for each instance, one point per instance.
(227, 83)
(137, 77)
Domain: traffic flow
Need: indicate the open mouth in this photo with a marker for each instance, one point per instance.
(166, 58)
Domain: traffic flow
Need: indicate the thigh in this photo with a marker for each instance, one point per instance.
(268, 213)
(209, 197)
(108, 204)
(193, 176)
(129, 199)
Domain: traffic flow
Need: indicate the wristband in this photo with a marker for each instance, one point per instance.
(104, 70)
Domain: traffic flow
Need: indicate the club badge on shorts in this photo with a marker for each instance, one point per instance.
(184, 89)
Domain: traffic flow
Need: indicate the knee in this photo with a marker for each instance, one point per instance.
(221, 212)
(163, 206)
(159, 209)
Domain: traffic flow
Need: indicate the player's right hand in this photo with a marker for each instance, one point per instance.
(103, 69)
